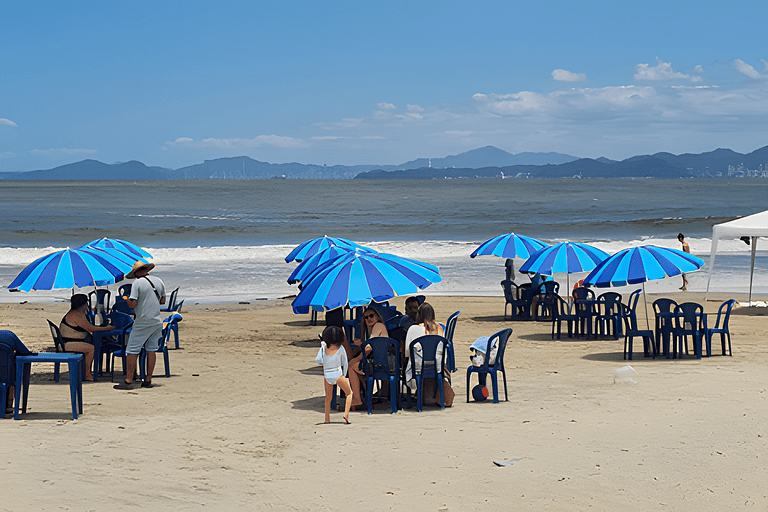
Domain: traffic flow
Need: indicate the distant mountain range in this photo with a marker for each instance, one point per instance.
(718, 163)
(487, 162)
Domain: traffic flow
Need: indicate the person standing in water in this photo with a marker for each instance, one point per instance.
(686, 248)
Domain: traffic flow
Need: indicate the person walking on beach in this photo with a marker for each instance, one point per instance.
(333, 357)
(686, 248)
(147, 294)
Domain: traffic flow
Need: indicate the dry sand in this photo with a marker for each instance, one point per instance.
(236, 427)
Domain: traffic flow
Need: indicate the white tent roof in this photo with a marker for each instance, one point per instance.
(752, 226)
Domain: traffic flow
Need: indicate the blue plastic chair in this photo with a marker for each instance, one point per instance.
(59, 345)
(123, 307)
(449, 330)
(545, 300)
(562, 312)
(100, 298)
(689, 321)
(7, 374)
(721, 329)
(585, 312)
(632, 330)
(663, 310)
(501, 338)
(171, 303)
(610, 302)
(116, 347)
(379, 369)
(163, 348)
(124, 290)
(174, 320)
(512, 298)
(430, 367)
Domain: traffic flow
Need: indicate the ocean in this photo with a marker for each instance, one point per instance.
(225, 240)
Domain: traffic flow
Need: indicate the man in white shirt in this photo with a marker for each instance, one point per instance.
(147, 294)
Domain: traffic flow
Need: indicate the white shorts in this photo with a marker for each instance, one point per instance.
(144, 337)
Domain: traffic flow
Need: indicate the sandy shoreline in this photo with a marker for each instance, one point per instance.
(237, 426)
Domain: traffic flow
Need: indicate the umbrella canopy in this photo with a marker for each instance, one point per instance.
(358, 278)
(565, 257)
(309, 265)
(116, 245)
(316, 245)
(640, 264)
(71, 268)
(509, 246)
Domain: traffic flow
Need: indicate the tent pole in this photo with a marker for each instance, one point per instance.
(645, 303)
(752, 267)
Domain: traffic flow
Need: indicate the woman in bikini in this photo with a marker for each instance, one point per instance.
(373, 327)
(75, 331)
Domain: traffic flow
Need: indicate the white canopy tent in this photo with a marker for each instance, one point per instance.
(752, 226)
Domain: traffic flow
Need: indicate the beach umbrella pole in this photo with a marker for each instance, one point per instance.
(645, 303)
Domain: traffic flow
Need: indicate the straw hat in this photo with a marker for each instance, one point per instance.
(139, 265)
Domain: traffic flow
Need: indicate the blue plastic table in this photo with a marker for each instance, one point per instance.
(97, 341)
(76, 365)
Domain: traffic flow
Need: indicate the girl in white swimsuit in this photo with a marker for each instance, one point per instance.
(333, 357)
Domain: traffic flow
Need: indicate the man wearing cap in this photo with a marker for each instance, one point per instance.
(147, 294)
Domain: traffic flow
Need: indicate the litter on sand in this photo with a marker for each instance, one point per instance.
(507, 462)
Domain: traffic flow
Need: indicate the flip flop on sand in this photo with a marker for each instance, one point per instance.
(147, 384)
(123, 385)
(345, 419)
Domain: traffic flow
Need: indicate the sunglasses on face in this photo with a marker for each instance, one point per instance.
(368, 317)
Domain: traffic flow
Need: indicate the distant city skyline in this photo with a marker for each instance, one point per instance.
(172, 84)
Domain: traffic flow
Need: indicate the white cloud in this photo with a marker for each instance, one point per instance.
(662, 71)
(347, 122)
(748, 70)
(458, 133)
(562, 75)
(7, 122)
(63, 151)
(237, 143)
(373, 137)
(386, 106)
(7, 154)
(327, 137)
(698, 69)
(414, 108)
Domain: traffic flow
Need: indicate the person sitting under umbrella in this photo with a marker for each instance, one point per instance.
(75, 331)
(373, 327)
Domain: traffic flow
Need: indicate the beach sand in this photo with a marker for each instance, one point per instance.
(238, 426)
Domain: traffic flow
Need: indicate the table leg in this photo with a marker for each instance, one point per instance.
(74, 371)
(17, 391)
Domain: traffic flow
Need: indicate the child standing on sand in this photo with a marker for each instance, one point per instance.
(334, 360)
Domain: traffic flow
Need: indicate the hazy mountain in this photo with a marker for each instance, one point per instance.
(484, 162)
(92, 170)
(489, 156)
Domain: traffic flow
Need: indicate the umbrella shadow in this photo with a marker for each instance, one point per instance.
(307, 343)
(29, 415)
(300, 323)
(618, 357)
(492, 318)
(315, 370)
(314, 403)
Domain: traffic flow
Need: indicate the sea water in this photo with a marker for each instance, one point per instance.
(224, 241)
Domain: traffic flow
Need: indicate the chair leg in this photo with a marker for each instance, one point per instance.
(167, 362)
(504, 378)
(56, 372)
(393, 393)
(419, 392)
(440, 387)
(3, 397)
(495, 384)
(469, 373)
(369, 394)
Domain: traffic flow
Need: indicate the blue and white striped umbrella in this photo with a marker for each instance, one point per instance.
(510, 246)
(309, 265)
(640, 264)
(310, 247)
(564, 258)
(115, 244)
(71, 268)
(358, 278)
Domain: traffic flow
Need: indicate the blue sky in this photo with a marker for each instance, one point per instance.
(360, 82)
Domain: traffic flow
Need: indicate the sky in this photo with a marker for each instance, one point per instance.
(376, 82)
